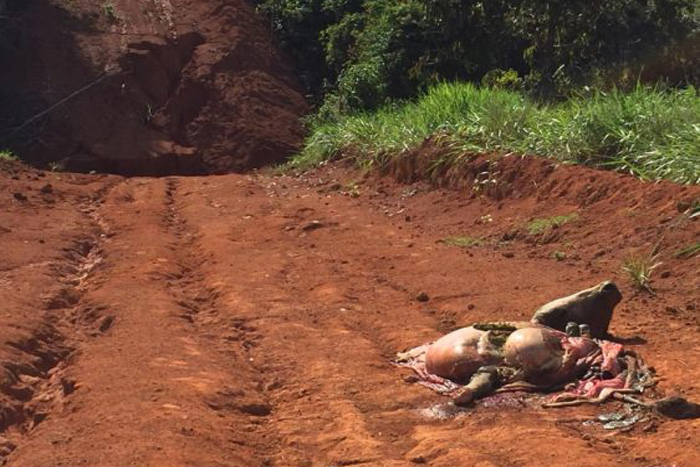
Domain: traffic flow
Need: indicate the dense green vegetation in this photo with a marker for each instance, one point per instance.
(609, 84)
(359, 53)
(649, 133)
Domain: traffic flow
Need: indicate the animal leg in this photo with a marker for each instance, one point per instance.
(481, 384)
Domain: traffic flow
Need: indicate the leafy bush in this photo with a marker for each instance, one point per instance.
(363, 52)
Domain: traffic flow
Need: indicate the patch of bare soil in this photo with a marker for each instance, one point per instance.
(251, 319)
(147, 87)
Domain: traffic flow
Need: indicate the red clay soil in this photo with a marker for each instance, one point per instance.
(158, 86)
(250, 320)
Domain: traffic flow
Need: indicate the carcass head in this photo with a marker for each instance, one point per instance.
(593, 306)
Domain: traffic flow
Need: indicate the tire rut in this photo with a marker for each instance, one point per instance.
(197, 299)
(300, 346)
(39, 384)
(199, 302)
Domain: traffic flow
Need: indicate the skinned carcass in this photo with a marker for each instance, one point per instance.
(478, 360)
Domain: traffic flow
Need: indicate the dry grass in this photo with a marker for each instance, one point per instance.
(640, 268)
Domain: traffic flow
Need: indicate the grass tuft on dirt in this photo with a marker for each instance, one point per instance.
(639, 270)
(463, 241)
(689, 251)
(538, 226)
(648, 132)
(7, 156)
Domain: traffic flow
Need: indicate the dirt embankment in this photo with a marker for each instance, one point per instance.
(157, 86)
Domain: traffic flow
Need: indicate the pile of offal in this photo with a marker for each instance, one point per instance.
(564, 351)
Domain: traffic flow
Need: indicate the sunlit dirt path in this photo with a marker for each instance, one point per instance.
(251, 320)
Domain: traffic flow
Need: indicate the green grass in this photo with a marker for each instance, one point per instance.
(689, 251)
(463, 241)
(694, 210)
(8, 156)
(110, 12)
(640, 268)
(559, 255)
(647, 132)
(538, 226)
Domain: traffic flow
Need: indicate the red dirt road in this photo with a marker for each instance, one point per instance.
(250, 320)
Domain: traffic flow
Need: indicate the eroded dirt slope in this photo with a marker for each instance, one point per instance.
(250, 320)
(145, 86)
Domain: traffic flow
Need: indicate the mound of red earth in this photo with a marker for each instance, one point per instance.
(156, 87)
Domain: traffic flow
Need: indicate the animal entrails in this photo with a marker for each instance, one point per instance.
(569, 400)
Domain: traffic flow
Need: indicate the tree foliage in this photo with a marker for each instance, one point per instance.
(359, 53)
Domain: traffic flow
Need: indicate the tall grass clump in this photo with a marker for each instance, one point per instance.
(648, 132)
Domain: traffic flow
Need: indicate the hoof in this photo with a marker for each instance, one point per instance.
(465, 398)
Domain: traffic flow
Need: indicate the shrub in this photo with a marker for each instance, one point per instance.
(547, 46)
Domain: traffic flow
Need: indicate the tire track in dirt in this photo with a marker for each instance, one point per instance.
(330, 315)
(153, 373)
(199, 300)
(40, 387)
(253, 320)
(188, 286)
(306, 337)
